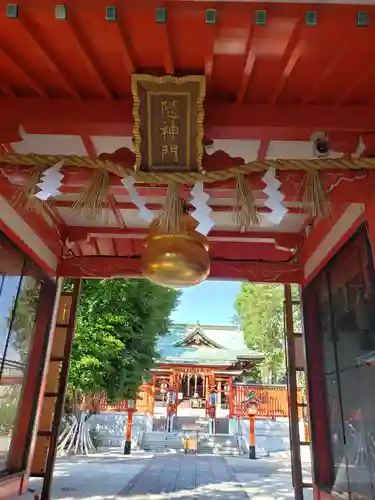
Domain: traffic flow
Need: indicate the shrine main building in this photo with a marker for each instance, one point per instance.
(202, 358)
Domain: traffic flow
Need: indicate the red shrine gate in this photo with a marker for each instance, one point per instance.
(276, 118)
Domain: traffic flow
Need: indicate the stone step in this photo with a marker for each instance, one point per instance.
(219, 447)
(234, 453)
(228, 452)
(163, 450)
(213, 442)
(216, 447)
(219, 444)
(161, 441)
(175, 446)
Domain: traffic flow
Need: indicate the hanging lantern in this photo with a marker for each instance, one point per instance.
(176, 260)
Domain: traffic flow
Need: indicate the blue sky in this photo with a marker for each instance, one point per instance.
(211, 302)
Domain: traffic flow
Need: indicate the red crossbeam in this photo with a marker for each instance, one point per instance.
(222, 120)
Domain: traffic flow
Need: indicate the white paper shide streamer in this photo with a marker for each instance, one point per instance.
(144, 212)
(275, 197)
(202, 210)
(50, 182)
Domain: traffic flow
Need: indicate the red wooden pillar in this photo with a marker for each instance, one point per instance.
(252, 437)
(153, 394)
(23, 442)
(230, 397)
(54, 388)
(129, 427)
(321, 467)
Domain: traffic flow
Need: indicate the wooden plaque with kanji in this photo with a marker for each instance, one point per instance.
(168, 122)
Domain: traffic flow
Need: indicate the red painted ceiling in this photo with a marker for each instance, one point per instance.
(285, 60)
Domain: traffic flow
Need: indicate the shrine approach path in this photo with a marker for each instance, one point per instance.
(208, 477)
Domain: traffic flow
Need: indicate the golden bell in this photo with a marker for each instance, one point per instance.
(176, 260)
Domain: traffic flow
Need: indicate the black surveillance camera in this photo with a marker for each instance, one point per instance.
(322, 147)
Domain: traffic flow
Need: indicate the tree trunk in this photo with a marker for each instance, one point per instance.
(75, 438)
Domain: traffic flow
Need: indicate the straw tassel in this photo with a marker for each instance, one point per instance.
(25, 195)
(170, 218)
(93, 200)
(244, 210)
(315, 198)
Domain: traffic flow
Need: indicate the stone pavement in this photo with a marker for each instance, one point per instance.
(108, 476)
(268, 478)
(96, 477)
(186, 477)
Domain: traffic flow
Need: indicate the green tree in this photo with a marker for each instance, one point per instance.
(260, 314)
(118, 324)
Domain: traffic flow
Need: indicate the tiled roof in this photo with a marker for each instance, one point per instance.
(228, 346)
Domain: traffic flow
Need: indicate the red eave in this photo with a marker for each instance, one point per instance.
(282, 76)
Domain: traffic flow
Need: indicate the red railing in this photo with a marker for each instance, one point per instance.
(274, 399)
(145, 401)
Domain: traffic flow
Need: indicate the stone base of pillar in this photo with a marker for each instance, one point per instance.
(127, 447)
(252, 452)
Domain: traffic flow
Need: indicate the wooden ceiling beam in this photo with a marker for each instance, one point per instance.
(89, 58)
(48, 55)
(366, 73)
(249, 64)
(209, 54)
(167, 52)
(292, 191)
(292, 53)
(338, 54)
(26, 74)
(346, 186)
(5, 89)
(222, 120)
(263, 148)
(282, 240)
(89, 146)
(112, 267)
(56, 217)
(96, 246)
(123, 205)
(7, 147)
(120, 32)
(116, 211)
(342, 186)
(75, 179)
(49, 234)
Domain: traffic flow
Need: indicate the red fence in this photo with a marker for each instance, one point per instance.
(145, 401)
(274, 400)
